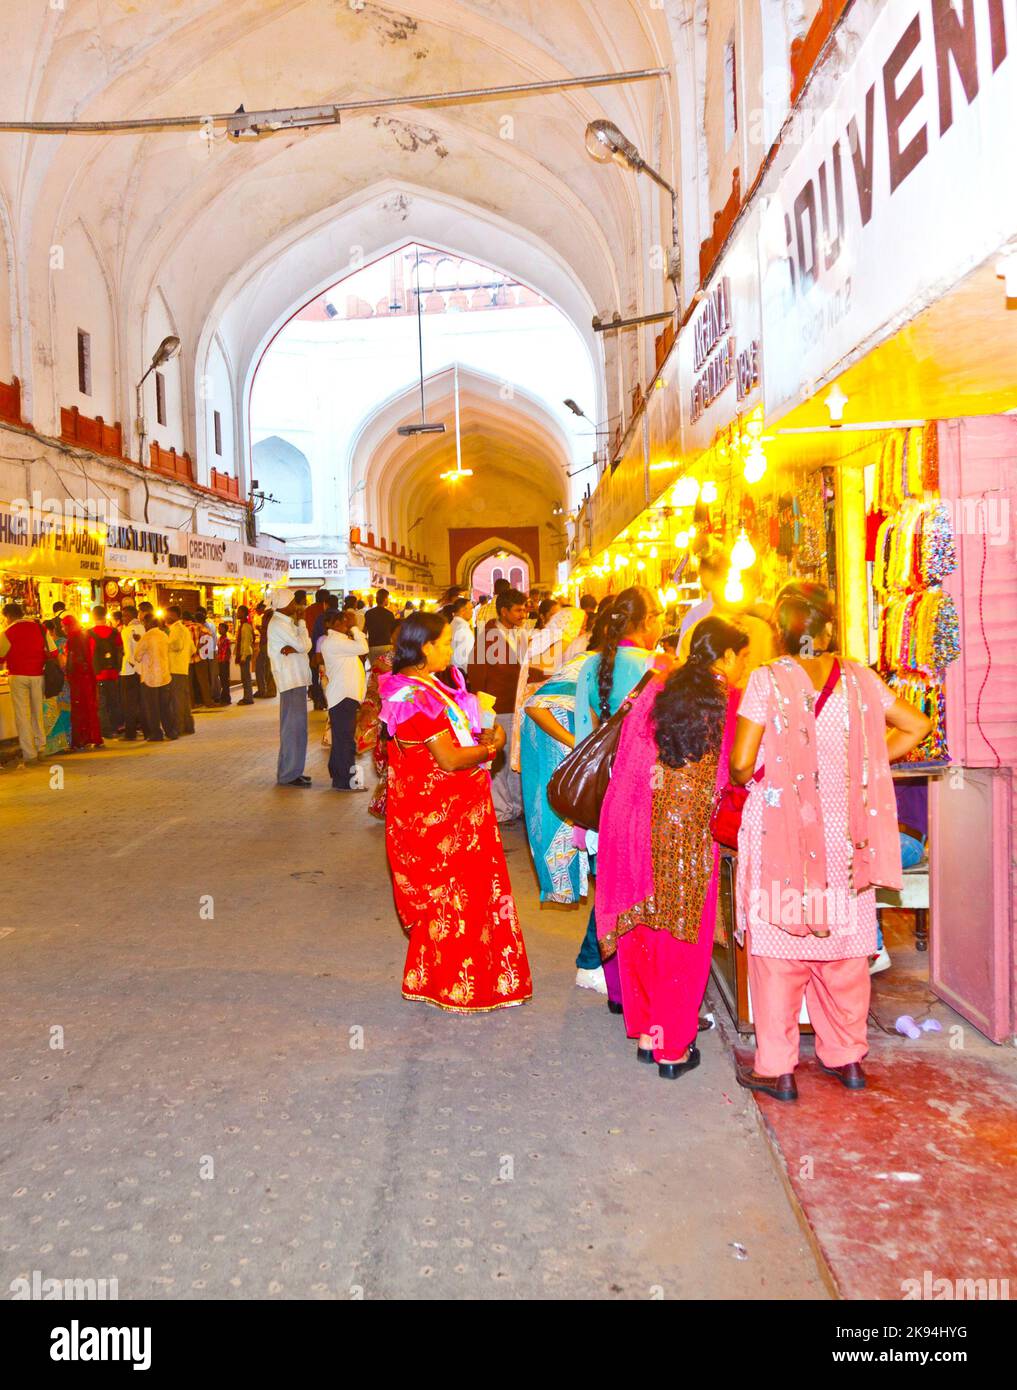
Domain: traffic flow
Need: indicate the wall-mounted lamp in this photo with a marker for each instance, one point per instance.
(835, 402)
(607, 145)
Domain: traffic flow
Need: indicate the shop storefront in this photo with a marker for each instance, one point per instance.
(835, 409)
(44, 560)
(50, 560)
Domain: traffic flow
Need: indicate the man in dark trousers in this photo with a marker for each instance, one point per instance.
(378, 624)
(499, 649)
(107, 651)
(313, 616)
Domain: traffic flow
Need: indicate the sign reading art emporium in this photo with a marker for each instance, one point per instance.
(901, 185)
(50, 546)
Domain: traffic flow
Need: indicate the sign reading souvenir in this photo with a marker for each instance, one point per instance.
(145, 550)
(925, 106)
(50, 546)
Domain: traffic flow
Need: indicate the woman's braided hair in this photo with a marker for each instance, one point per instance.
(627, 614)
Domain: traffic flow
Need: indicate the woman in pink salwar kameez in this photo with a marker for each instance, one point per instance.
(658, 863)
(818, 834)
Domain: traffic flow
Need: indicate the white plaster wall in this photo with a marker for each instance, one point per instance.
(215, 393)
(80, 297)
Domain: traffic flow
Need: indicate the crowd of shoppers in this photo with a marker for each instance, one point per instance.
(735, 701)
(128, 675)
(466, 717)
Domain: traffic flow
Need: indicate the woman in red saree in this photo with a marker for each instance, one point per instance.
(451, 883)
(85, 726)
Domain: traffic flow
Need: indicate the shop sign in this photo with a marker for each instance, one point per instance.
(52, 547)
(212, 559)
(317, 566)
(888, 196)
(719, 352)
(265, 566)
(145, 550)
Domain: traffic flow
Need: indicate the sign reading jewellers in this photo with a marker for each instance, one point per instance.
(904, 182)
(719, 352)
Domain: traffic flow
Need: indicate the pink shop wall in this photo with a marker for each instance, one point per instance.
(974, 884)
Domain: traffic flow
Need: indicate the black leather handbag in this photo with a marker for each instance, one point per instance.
(579, 783)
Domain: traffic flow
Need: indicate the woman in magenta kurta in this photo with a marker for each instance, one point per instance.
(818, 834)
(658, 862)
(451, 883)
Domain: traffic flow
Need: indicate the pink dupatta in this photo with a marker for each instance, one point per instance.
(793, 851)
(624, 854)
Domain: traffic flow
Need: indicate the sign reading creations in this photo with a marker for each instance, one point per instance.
(910, 172)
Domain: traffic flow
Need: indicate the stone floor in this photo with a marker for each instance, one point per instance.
(910, 1182)
(188, 956)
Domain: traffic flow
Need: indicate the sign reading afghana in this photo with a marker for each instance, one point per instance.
(912, 124)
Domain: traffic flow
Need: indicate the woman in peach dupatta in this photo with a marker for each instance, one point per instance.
(659, 867)
(818, 834)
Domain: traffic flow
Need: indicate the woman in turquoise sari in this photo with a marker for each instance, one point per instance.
(56, 712)
(629, 631)
(546, 734)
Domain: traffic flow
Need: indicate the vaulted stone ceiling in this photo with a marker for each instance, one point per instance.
(198, 219)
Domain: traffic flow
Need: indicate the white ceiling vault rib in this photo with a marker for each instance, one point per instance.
(237, 239)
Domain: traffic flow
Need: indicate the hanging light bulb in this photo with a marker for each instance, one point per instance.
(682, 540)
(672, 595)
(653, 552)
(743, 556)
(734, 589)
(686, 492)
(755, 462)
(708, 492)
(640, 565)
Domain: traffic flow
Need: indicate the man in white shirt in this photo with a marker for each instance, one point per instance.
(462, 632)
(339, 653)
(288, 644)
(181, 650)
(130, 682)
(152, 659)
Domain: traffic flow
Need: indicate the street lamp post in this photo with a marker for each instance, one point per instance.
(167, 349)
(607, 145)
